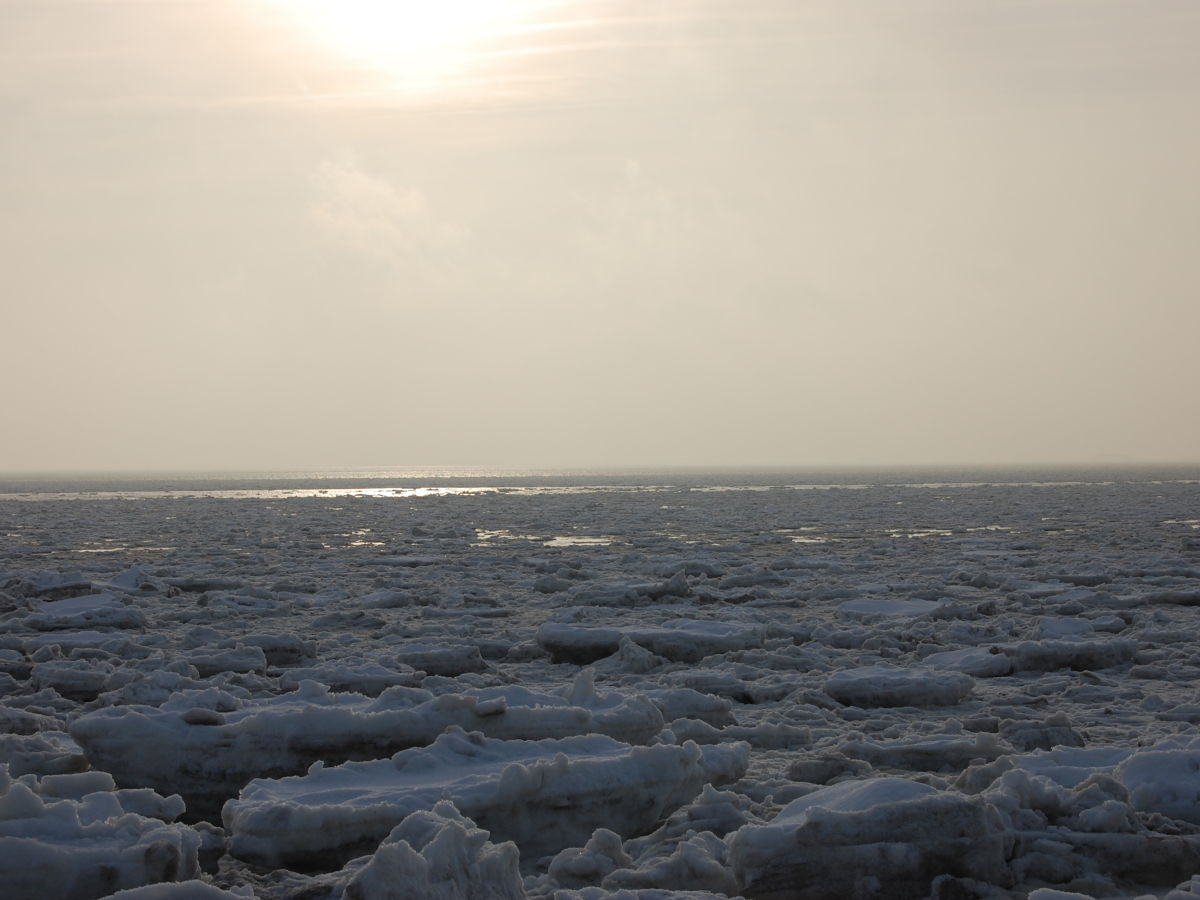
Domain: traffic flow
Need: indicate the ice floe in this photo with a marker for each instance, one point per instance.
(74, 837)
(207, 744)
(542, 795)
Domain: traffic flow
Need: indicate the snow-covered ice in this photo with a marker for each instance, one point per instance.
(75, 837)
(551, 690)
(885, 837)
(208, 744)
(543, 795)
(887, 685)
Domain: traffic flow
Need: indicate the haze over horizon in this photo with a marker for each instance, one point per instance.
(267, 235)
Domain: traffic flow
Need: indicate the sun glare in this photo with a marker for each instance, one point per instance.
(420, 44)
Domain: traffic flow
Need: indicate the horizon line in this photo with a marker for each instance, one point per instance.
(508, 470)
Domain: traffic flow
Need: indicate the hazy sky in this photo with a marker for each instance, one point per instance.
(335, 233)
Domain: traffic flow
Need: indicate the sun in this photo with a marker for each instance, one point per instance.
(419, 44)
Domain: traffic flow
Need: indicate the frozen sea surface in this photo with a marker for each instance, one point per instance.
(601, 685)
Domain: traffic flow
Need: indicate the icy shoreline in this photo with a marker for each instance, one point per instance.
(968, 691)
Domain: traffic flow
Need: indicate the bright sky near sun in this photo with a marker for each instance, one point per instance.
(335, 233)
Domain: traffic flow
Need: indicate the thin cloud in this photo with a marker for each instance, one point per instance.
(370, 217)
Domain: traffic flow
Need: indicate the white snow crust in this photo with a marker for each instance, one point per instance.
(543, 795)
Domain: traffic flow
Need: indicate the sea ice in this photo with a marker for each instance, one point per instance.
(957, 691)
(878, 837)
(88, 846)
(438, 854)
(543, 795)
(206, 745)
(894, 686)
(680, 640)
(92, 611)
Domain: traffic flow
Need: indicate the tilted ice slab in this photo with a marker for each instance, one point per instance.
(599, 893)
(207, 746)
(872, 686)
(1065, 827)
(1072, 651)
(42, 753)
(92, 611)
(239, 658)
(441, 659)
(632, 593)
(882, 607)
(67, 641)
(679, 640)
(543, 795)
(1165, 781)
(898, 834)
(686, 852)
(1065, 766)
(87, 846)
(1164, 778)
(1045, 817)
(134, 582)
(930, 753)
(183, 890)
(981, 662)
(364, 677)
(438, 853)
(686, 703)
(75, 679)
(1080, 654)
(23, 721)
